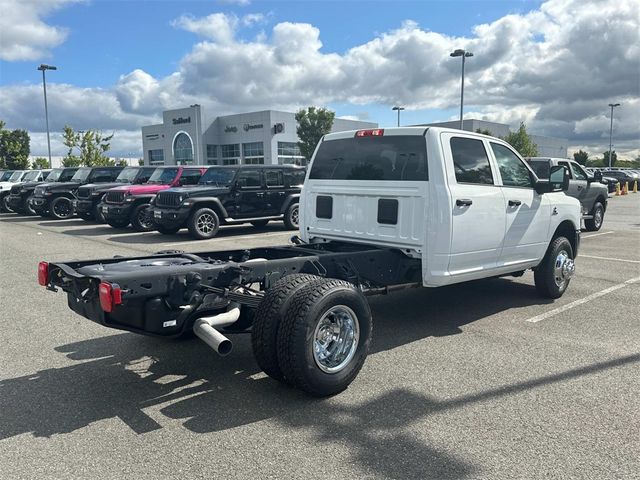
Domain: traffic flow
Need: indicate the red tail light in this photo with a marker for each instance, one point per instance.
(110, 295)
(375, 132)
(43, 273)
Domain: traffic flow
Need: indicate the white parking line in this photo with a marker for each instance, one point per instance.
(596, 234)
(609, 258)
(231, 238)
(586, 299)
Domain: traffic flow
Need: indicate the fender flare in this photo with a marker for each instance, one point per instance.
(293, 198)
(198, 201)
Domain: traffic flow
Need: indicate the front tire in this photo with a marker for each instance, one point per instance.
(324, 337)
(98, 216)
(554, 273)
(141, 221)
(61, 208)
(594, 224)
(28, 208)
(203, 224)
(292, 216)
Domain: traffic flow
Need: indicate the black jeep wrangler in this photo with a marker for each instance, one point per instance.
(56, 199)
(231, 195)
(15, 199)
(89, 196)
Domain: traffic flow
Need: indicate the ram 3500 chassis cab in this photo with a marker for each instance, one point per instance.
(380, 210)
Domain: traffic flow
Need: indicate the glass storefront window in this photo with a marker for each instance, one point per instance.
(183, 149)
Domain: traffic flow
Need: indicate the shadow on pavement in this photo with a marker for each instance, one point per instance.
(121, 375)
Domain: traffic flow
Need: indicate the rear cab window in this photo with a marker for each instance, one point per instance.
(392, 157)
(470, 161)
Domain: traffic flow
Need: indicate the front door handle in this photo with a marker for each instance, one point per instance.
(464, 202)
(515, 203)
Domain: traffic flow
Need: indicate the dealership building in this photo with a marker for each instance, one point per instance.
(268, 137)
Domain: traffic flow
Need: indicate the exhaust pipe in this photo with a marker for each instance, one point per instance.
(203, 328)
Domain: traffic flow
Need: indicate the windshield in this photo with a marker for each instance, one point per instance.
(218, 176)
(128, 175)
(81, 175)
(54, 175)
(6, 175)
(31, 176)
(15, 176)
(163, 176)
(372, 158)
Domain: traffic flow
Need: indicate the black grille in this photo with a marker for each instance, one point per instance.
(114, 197)
(16, 189)
(168, 199)
(84, 192)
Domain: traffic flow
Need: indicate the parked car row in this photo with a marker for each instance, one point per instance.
(165, 199)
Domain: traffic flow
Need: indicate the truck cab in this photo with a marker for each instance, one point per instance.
(466, 204)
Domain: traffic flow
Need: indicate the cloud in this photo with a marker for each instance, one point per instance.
(23, 34)
(241, 3)
(555, 68)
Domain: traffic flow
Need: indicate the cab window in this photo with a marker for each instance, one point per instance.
(470, 161)
(566, 165)
(513, 171)
(190, 177)
(273, 178)
(578, 172)
(249, 179)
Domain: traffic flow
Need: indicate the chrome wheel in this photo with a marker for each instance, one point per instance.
(563, 269)
(295, 215)
(597, 217)
(206, 224)
(335, 339)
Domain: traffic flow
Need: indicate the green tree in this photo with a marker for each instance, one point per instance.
(40, 163)
(121, 162)
(141, 162)
(522, 142)
(313, 123)
(14, 148)
(484, 131)
(70, 139)
(614, 158)
(93, 146)
(581, 157)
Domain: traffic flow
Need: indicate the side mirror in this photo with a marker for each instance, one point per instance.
(558, 181)
(597, 176)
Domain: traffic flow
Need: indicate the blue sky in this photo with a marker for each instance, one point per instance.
(134, 58)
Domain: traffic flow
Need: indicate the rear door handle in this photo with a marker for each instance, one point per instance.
(464, 202)
(515, 203)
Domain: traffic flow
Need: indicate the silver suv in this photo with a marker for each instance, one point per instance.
(584, 186)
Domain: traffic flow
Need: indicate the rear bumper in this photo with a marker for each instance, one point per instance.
(116, 211)
(170, 217)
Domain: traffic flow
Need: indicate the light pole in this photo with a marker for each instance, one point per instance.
(464, 54)
(398, 108)
(611, 130)
(43, 68)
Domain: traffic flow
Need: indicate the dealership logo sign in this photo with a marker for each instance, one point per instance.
(247, 126)
(230, 129)
(180, 120)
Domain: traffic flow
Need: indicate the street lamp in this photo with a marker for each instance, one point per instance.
(398, 108)
(611, 130)
(464, 54)
(43, 68)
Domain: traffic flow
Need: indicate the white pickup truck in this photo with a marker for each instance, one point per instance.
(381, 209)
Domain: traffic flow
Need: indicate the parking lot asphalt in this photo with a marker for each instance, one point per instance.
(481, 380)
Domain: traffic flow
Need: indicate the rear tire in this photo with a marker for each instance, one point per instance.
(61, 208)
(264, 334)
(141, 221)
(292, 216)
(260, 223)
(324, 337)
(203, 224)
(98, 216)
(554, 273)
(594, 224)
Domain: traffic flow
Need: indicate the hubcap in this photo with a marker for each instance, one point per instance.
(335, 339)
(205, 223)
(295, 215)
(597, 217)
(564, 269)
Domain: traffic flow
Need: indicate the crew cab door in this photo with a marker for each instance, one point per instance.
(527, 212)
(249, 194)
(275, 194)
(477, 206)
